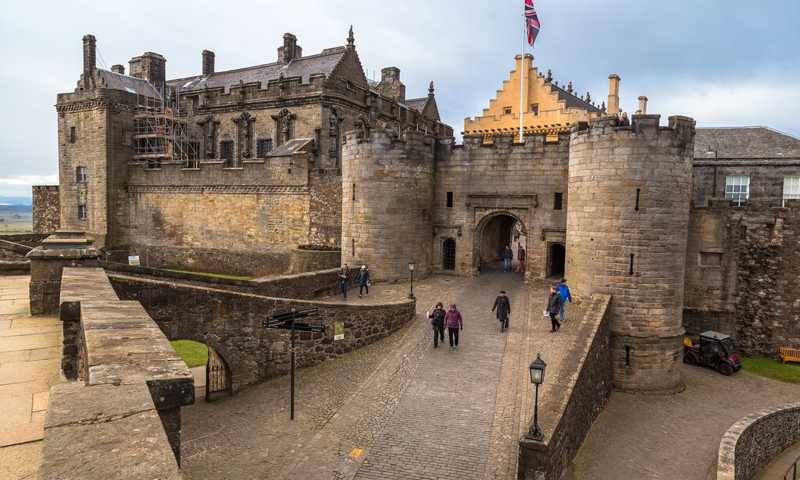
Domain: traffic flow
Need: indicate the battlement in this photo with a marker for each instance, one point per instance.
(389, 137)
(645, 126)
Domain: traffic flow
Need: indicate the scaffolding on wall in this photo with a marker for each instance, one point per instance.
(162, 136)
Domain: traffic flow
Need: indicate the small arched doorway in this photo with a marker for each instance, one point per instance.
(556, 254)
(210, 371)
(449, 254)
(494, 233)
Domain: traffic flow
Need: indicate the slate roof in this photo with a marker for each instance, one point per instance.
(572, 101)
(116, 81)
(744, 142)
(417, 104)
(322, 63)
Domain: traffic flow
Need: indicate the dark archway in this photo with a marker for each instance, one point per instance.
(556, 254)
(493, 233)
(449, 254)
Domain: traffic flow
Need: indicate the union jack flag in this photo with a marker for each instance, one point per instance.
(531, 22)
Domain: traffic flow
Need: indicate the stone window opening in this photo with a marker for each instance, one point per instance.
(627, 355)
(449, 254)
(354, 192)
(449, 199)
(630, 269)
(73, 135)
(226, 152)
(80, 175)
(82, 211)
(558, 201)
(263, 147)
(638, 193)
(535, 109)
(507, 110)
(737, 189)
(353, 247)
(791, 189)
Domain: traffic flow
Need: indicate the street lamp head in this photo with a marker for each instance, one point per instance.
(412, 265)
(537, 370)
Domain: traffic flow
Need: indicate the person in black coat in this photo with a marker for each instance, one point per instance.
(502, 305)
(437, 322)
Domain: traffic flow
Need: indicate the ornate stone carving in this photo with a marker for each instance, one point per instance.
(283, 126)
(244, 135)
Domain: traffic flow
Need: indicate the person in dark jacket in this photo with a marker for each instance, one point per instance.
(344, 278)
(436, 317)
(508, 255)
(363, 280)
(454, 323)
(553, 308)
(502, 306)
(520, 258)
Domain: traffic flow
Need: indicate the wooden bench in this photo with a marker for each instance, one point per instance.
(788, 354)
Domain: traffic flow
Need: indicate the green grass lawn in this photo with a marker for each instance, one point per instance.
(767, 367)
(193, 353)
(211, 275)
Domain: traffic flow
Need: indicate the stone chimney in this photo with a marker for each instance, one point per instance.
(642, 105)
(613, 94)
(151, 67)
(390, 85)
(118, 69)
(208, 63)
(89, 56)
(290, 49)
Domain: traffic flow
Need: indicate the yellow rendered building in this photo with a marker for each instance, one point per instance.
(547, 107)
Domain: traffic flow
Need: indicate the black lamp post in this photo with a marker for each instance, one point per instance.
(412, 265)
(537, 378)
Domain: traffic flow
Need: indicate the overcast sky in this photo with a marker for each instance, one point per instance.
(724, 62)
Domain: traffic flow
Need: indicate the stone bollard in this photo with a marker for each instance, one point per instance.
(62, 249)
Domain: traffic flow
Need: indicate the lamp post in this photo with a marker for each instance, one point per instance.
(537, 378)
(412, 265)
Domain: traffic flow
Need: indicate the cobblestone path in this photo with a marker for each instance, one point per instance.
(674, 436)
(395, 409)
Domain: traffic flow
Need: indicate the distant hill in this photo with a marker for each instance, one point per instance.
(9, 209)
(5, 201)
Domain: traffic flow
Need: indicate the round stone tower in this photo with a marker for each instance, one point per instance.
(627, 226)
(387, 197)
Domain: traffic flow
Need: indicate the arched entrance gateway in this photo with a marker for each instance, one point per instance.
(493, 233)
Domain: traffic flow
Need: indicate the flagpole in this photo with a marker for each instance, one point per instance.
(522, 77)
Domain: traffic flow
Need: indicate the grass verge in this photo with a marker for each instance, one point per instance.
(767, 367)
(195, 354)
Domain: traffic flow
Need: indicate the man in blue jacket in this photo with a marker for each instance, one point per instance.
(563, 292)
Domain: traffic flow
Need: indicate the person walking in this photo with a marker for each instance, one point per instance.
(436, 317)
(553, 307)
(520, 258)
(344, 277)
(454, 323)
(363, 280)
(502, 305)
(508, 255)
(563, 292)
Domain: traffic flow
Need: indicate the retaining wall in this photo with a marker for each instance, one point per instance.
(231, 323)
(752, 442)
(568, 414)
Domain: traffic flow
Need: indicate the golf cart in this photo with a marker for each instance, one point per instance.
(715, 350)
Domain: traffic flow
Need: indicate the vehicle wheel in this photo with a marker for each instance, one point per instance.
(725, 368)
(689, 359)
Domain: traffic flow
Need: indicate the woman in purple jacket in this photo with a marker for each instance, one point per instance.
(454, 323)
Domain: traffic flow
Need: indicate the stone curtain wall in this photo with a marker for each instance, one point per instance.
(230, 322)
(306, 286)
(567, 416)
(505, 176)
(741, 279)
(254, 263)
(753, 441)
(633, 251)
(46, 212)
(386, 202)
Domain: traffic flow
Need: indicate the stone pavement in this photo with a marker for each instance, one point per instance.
(30, 352)
(674, 436)
(394, 409)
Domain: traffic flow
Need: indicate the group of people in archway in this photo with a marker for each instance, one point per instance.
(509, 263)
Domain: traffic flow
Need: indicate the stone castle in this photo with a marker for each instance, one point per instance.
(304, 164)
